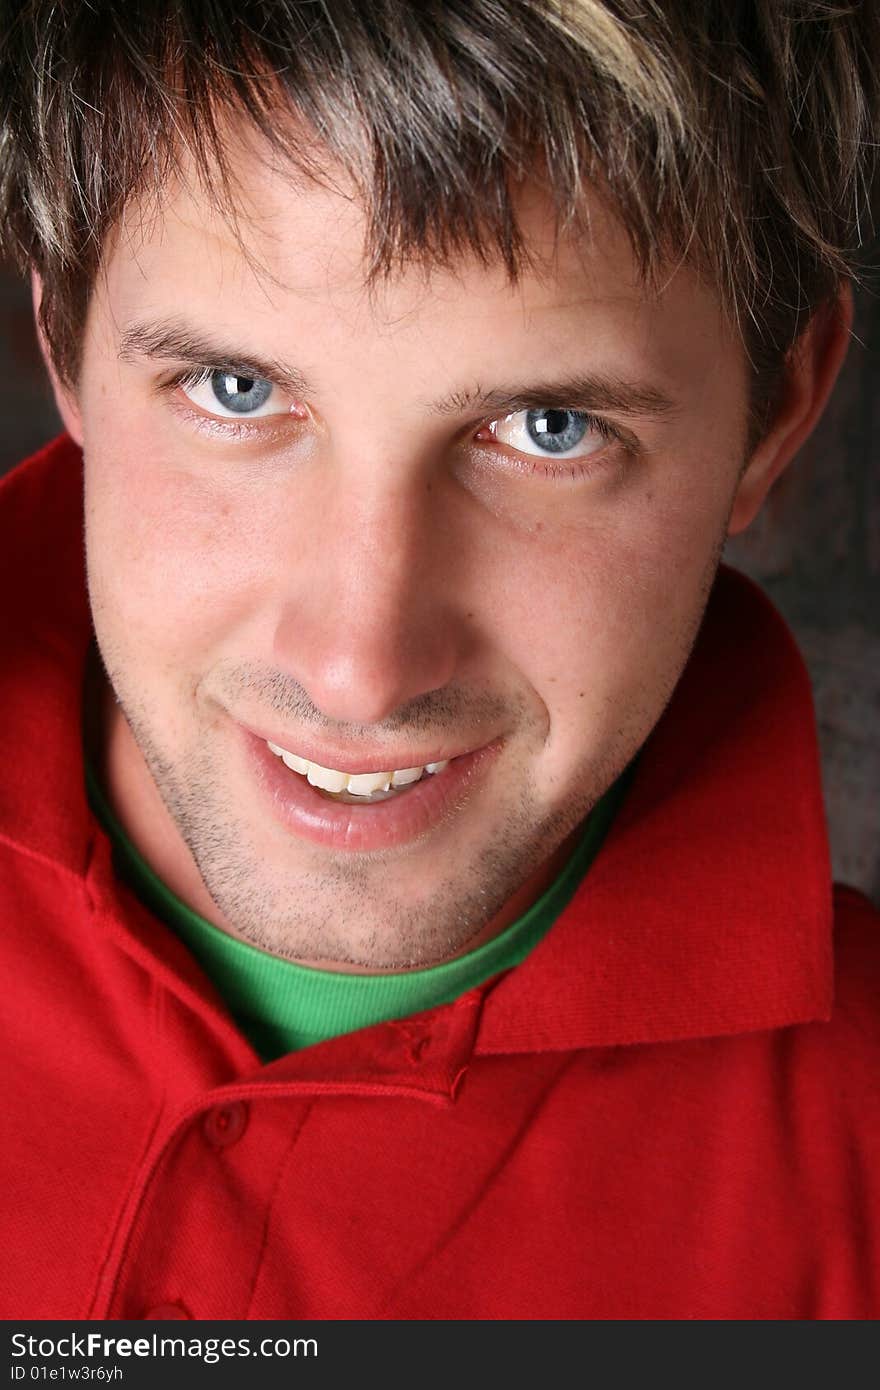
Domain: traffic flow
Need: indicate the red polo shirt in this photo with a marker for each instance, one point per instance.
(658, 1114)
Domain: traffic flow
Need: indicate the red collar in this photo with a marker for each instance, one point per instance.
(708, 910)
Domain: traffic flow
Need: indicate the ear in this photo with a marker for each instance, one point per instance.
(65, 396)
(811, 370)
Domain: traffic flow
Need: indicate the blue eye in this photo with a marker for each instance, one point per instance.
(556, 431)
(231, 394)
(243, 394)
(563, 433)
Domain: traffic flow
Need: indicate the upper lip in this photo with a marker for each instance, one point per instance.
(361, 759)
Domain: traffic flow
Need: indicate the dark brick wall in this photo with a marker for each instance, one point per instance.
(26, 408)
(815, 549)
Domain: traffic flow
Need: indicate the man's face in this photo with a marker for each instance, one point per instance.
(383, 529)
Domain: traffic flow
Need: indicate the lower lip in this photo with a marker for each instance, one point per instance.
(412, 814)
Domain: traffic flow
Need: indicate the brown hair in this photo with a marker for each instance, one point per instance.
(737, 134)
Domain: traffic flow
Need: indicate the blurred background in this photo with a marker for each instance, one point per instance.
(815, 549)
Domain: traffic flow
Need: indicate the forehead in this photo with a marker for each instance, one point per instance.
(286, 258)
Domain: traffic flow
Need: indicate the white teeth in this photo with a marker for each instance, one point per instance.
(405, 775)
(326, 778)
(358, 783)
(365, 783)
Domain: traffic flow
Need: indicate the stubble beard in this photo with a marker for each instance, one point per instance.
(345, 910)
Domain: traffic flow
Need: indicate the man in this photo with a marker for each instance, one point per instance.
(379, 943)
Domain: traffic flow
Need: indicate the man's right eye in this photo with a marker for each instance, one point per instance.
(231, 394)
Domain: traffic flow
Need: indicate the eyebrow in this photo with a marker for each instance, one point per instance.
(590, 392)
(173, 340)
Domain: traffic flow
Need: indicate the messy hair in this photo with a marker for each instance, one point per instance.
(735, 135)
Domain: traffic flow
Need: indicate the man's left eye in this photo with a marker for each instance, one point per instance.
(557, 433)
(232, 395)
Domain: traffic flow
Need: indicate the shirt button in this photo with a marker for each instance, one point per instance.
(165, 1312)
(225, 1124)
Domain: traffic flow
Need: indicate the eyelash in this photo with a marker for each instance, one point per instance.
(570, 469)
(563, 470)
(216, 425)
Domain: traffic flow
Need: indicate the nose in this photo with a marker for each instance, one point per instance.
(368, 619)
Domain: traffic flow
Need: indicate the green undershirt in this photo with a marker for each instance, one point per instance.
(281, 1006)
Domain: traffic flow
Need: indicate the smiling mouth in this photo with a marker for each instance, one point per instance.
(356, 788)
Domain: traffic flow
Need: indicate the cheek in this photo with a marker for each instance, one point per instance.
(173, 561)
(599, 615)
